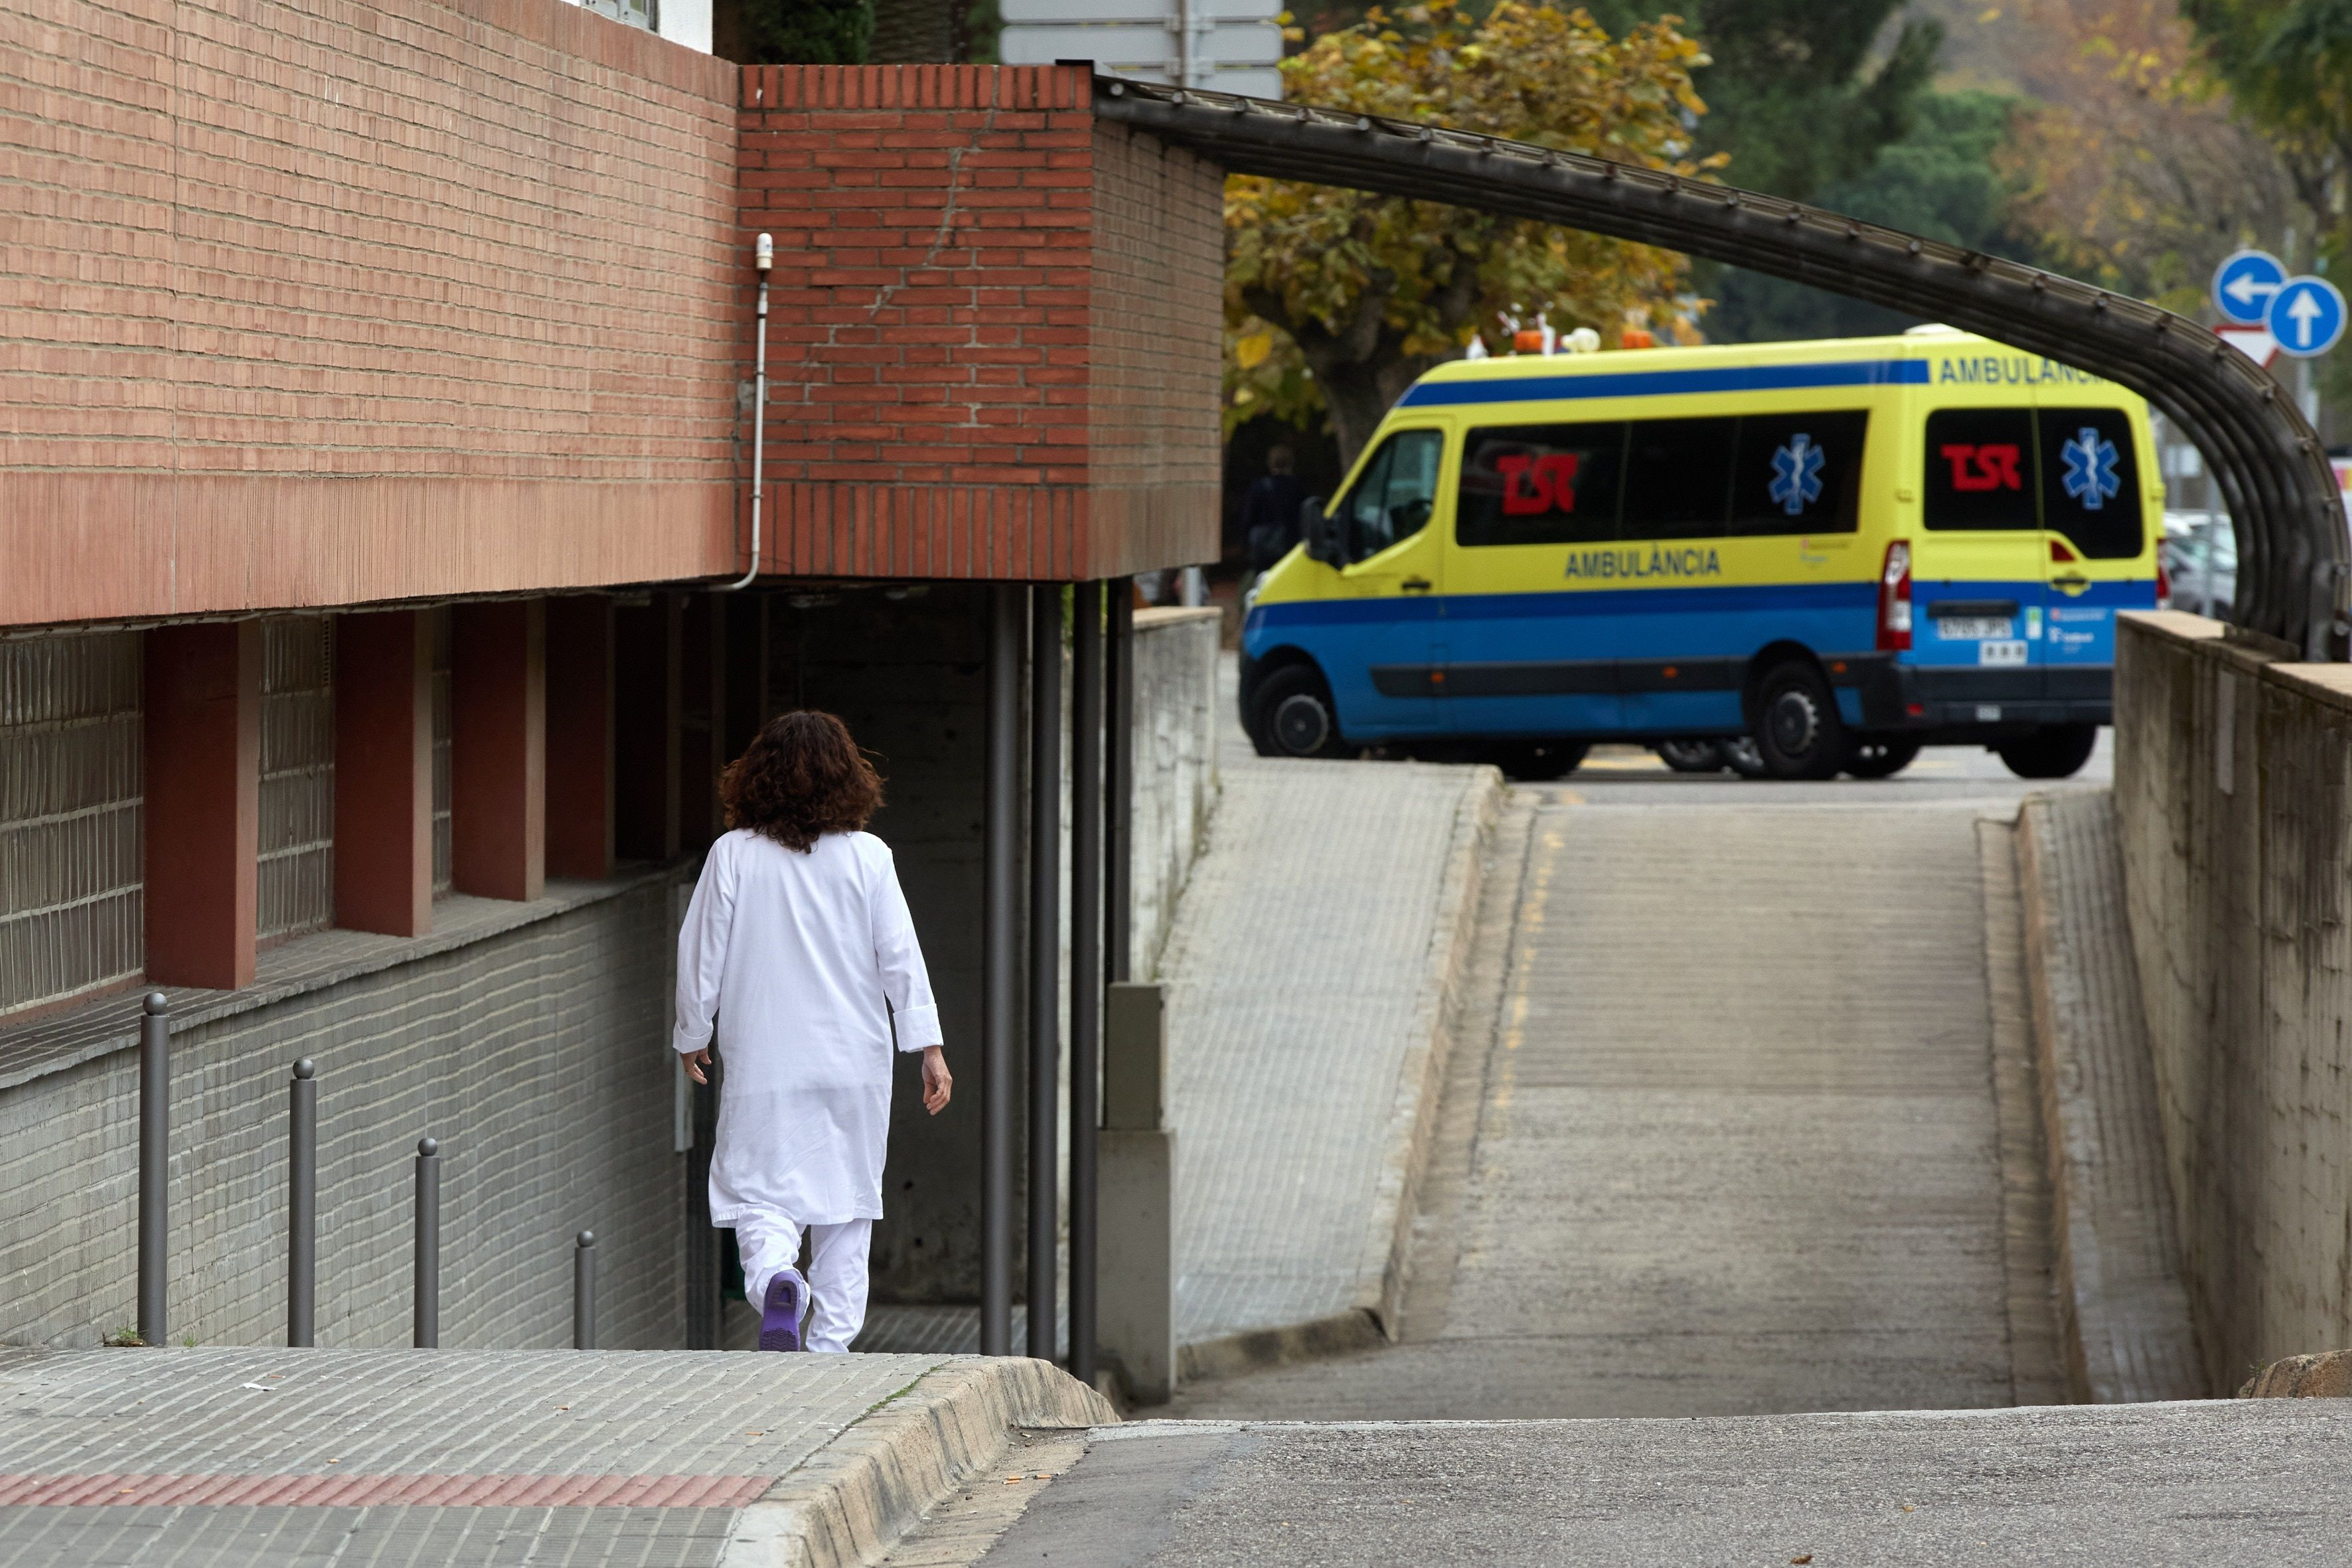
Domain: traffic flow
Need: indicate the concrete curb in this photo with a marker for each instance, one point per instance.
(1413, 1121)
(2326, 1374)
(850, 1503)
(2124, 1329)
(1229, 1355)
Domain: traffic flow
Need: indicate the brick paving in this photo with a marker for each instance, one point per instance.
(441, 1457)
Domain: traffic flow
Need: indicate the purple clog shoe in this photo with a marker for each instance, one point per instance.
(787, 1305)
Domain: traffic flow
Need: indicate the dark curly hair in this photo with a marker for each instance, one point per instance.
(801, 776)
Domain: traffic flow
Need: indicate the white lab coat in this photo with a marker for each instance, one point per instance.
(796, 954)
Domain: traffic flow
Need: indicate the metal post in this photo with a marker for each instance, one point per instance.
(1045, 958)
(583, 1291)
(1118, 784)
(302, 1206)
(1085, 961)
(1000, 979)
(427, 1313)
(154, 1162)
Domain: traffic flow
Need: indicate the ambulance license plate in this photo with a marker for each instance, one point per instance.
(2001, 654)
(1974, 628)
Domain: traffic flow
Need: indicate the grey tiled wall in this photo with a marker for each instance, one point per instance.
(536, 1056)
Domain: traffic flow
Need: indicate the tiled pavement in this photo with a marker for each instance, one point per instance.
(1295, 973)
(270, 1456)
(1296, 969)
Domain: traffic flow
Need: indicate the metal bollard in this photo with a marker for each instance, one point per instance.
(154, 1162)
(427, 1315)
(302, 1206)
(583, 1291)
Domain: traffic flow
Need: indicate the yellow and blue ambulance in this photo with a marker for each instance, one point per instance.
(1846, 550)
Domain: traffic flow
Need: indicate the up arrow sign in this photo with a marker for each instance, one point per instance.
(2303, 309)
(2306, 316)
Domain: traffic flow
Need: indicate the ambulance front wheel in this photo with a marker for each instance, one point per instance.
(1295, 716)
(2052, 751)
(1798, 730)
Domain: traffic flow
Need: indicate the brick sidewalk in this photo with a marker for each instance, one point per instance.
(186, 1456)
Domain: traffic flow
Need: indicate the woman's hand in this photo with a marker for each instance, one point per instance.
(694, 1062)
(938, 1083)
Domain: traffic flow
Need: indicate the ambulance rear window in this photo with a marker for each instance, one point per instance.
(2090, 483)
(1980, 470)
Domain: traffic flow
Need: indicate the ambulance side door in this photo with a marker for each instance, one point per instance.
(1387, 644)
(1534, 647)
(1977, 569)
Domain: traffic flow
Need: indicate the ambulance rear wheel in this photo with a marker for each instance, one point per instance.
(1692, 756)
(1878, 758)
(1798, 730)
(1295, 716)
(1536, 762)
(2052, 751)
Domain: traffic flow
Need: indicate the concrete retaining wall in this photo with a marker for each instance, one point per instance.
(2231, 775)
(1175, 763)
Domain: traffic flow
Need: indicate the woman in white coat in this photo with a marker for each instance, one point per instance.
(798, 961)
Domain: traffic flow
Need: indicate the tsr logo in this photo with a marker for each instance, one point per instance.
(1531, 485)
(1991, 467)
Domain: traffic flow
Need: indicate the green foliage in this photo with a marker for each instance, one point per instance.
(1794, 94)
(1339, 298)
(806, 32)
(2288, 63)
(1939, 180)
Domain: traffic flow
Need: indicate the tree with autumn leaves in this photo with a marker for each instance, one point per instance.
(1339, 298)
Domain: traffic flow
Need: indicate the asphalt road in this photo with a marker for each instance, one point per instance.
(2258, 1481)
(1940, 774)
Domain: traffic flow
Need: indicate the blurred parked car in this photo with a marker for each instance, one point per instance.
(2201, 559)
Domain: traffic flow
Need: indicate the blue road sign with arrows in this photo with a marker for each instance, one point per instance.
(2243, 285)
(2306, 316)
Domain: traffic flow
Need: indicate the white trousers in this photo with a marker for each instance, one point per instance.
(769, 1243)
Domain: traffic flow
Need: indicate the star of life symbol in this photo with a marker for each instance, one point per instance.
(1796, 474)
(2089, 459)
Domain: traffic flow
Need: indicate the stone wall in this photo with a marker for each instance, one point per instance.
(2232, 773)
(526, 1038)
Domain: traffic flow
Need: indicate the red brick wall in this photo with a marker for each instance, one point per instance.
(1156, 323)
(979, 366)
(318, 301)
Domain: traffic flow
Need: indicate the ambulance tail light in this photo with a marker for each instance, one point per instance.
(2163, 585)
(1894, 599)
